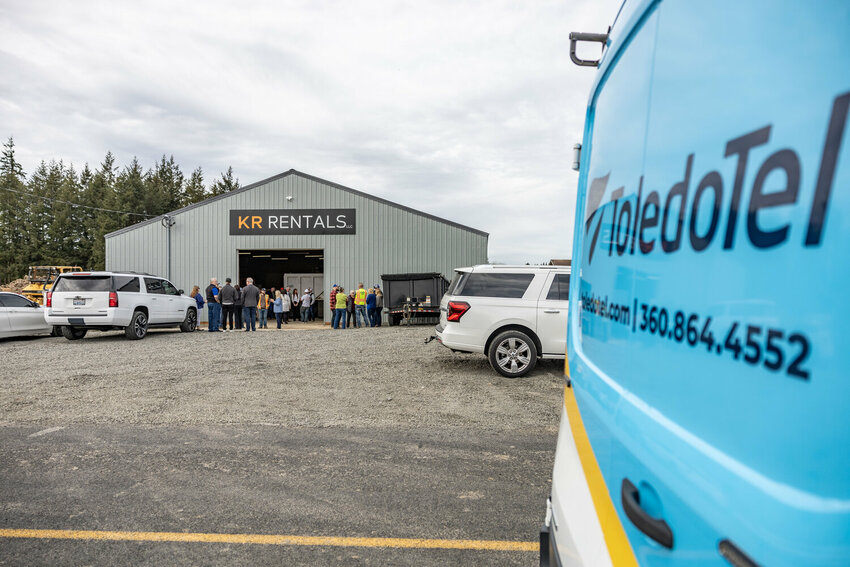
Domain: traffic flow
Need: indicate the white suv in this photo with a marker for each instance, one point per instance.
(110, 300)
(513, 314)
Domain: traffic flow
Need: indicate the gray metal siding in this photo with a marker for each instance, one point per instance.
(388, 240)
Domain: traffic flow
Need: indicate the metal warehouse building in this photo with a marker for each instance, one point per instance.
(294, 229)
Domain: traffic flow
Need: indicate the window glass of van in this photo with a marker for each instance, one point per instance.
(560, 288)
(495, 285)
(154, 285)
(169, 288)
(83, 283)
(127, 283)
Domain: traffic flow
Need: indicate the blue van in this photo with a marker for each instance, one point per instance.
(706, 417)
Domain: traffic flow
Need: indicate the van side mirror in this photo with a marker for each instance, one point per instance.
(179, 292)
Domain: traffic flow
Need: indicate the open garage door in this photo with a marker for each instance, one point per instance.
(269, 268)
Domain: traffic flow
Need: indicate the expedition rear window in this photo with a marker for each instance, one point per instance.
(494, 285)
(83, 283)
(454, 284)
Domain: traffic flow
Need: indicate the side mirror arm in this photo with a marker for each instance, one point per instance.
(576, 37)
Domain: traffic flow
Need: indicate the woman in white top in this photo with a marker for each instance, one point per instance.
(287, 307)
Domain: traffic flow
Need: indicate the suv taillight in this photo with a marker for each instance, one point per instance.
(456, 310)
(113, 299)
(48, 302)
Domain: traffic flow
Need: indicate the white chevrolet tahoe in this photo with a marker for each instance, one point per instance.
(513, 314)
(109, 300)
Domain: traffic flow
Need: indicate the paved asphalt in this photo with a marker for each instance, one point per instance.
(267, 480)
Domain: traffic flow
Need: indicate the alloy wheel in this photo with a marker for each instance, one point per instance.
(513, 355)
(140, 326)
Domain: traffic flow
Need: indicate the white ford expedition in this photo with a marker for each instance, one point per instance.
(109, 300)
(513, 314)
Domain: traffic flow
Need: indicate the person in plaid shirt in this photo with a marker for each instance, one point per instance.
(333, 300)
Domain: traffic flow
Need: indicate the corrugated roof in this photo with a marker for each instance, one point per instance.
(305, 176)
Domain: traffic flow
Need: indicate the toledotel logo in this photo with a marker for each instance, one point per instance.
(641, 223)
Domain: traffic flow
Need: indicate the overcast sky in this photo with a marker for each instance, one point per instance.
(465, 110)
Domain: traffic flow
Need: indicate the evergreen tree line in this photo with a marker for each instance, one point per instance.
(56, 216)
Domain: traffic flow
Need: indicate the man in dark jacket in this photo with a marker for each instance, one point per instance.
(228, 302)
(237, 307)
(214, 306)
(379, 305)
(250, 299)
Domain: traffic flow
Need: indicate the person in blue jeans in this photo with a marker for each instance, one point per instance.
(263, 308)
(214, 306)
(250, 300)
(379, 305)
(278, 307)
(306, 302)
(199, 302)
(370, 306)
(360, 305)
(340, 304)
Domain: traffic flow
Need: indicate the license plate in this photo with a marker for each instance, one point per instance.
(79, 302)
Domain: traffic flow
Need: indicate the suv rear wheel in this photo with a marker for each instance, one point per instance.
(190, 322)
(73, 334)
(512, 354)
(138, 327)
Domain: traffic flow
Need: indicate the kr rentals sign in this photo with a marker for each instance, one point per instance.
(293, 221)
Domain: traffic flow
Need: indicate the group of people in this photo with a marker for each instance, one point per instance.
(358, 304)
(246, 308)
(286, 303)
(249, 307)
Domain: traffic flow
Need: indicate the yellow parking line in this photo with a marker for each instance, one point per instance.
(265, 539)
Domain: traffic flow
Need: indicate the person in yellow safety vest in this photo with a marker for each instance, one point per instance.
(340, 303)
(263, 307)
(360, 306)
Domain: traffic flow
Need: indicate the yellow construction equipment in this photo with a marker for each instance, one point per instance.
(41, 278)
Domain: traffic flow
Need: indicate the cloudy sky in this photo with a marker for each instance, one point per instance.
(466, 110)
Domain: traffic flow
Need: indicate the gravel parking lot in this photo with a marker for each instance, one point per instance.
(384, 376)
(364, 424)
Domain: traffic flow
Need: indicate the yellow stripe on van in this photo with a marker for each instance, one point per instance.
(616, 541)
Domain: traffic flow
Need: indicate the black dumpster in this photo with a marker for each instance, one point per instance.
(420, 293)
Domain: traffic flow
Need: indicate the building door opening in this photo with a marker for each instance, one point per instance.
(314, 282)
(270, 267)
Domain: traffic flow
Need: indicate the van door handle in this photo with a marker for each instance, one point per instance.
(655, 528)
(552, 311)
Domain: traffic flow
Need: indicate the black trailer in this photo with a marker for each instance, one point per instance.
(419, 293)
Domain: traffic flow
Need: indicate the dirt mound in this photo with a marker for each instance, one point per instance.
(16, 286)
